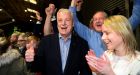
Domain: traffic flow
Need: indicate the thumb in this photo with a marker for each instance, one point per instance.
(91, 52)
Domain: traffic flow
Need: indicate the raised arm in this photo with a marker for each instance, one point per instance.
(135, 17)
(48, 29)
(82, 30)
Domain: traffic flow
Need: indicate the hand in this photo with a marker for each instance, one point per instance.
(79, 4)
(91, 52)
(50, 10)
(73, 3)
(29, 54)
(102, 65)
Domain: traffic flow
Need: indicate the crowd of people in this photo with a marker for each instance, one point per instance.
(107, 47)
(12, 53)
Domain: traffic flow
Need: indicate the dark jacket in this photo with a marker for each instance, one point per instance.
(48, 57)
(11, 63)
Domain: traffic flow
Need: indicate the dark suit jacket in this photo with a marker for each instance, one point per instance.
(48, 57)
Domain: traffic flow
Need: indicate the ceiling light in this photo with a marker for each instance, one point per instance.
(0, 9)
(32, 16)
(13, 20)
(31, 10)
(31, 1)
(25, 10)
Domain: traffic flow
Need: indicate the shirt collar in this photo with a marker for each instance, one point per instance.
(61, 37)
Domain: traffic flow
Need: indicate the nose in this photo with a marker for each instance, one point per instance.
(104, 36)
(64, 22)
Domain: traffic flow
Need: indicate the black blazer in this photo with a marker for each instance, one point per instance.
(48, 57)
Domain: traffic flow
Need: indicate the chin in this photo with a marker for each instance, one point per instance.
(109, 48)
(99, 30)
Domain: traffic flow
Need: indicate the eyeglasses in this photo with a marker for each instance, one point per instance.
(21, 40)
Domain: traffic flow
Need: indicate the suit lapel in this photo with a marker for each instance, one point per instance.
(57, 52)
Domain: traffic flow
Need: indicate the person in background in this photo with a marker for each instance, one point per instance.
(62, 53)
(32, 44)
(21, 43)
(121, 56)
(14, 38)
(32, 41)
(11, 61)
(2, 33)
(93, 34)
(37, 30)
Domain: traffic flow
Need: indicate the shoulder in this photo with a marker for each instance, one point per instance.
(136, 64)
(13, 62)
(49, 37)
(137, 55)
(109, 54)
(10, 56)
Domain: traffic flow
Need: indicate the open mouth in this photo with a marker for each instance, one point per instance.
(63, 27)
(98, 24)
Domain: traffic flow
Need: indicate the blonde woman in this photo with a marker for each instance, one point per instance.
(121, 57)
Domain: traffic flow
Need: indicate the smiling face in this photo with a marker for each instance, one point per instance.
(65, 22)
(98, 20)
(112, 40)
(118, 35)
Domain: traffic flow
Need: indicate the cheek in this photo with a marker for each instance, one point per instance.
(70, 28)
(102, 21)
(111, 38)
(59, 23)
(27, 46)
(116, 39)
(35, 45)
(58, 27)
(69, 22)
(93, 24)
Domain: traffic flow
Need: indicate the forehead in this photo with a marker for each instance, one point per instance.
(64, 14)
(99, 14)
(21, 37)
(13, 35)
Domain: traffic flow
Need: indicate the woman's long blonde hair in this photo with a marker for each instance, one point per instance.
(122, 27)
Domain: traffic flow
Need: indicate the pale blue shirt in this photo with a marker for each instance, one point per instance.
(64, 49)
